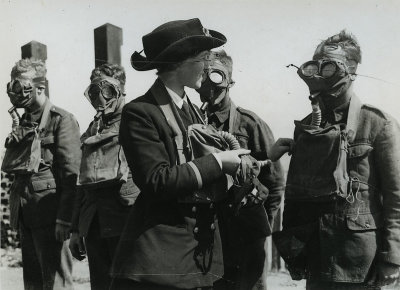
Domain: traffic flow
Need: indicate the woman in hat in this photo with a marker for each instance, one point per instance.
(171, 239)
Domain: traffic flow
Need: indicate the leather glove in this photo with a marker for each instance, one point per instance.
(281, 146)
(77, 247)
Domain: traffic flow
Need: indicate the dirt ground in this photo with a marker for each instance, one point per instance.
(11, 275)
(11, 279)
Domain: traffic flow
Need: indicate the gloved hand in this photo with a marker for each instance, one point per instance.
(281, 146)
(249, 168)
(231, 160)
(62, 232)
(77, 247)
(386, 273)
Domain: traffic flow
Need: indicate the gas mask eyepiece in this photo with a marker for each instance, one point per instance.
(324, 68)
(21, 92)
(102, 93)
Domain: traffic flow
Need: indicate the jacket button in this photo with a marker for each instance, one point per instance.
(194, 209)
(48, 185)
(212, 226)
(367, 225)
(196, 230)
(211, 205)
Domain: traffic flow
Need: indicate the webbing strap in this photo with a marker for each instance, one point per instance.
(233, 118)
(353, 118)
(45, 115)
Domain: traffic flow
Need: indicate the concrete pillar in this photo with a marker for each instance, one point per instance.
(107, 44)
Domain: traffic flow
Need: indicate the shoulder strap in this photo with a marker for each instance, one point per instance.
(45, 115)
(233, 118)
(167, 107)
(353, 118)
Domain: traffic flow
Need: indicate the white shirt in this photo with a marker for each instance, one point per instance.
(178, 100)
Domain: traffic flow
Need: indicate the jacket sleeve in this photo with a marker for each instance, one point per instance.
(387, 156)
(272, 177)
(67, 158)
(150, 160)
(76, 210)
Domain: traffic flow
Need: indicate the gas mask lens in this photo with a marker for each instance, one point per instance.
(101, 90)
(17, 89)
(216, 77)
(325, 69)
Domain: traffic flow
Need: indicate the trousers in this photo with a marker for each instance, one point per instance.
(100, 252)
(47, 263)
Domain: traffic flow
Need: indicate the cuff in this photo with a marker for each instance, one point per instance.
(64, 223)
(208, 168)
(392, 258)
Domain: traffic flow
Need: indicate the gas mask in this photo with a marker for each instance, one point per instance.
(216, 80)
(22, 91)
(326, 77)
(103, 94)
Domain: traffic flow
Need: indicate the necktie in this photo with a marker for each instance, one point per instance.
(186, 110)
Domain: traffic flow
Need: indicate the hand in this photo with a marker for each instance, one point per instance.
(231, 160)
(77, 247)
(281, 146)
(388, 273)
(62, 232)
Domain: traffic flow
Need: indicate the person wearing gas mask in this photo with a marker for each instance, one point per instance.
(341, 218)
(171, 238)
(43, 151)
(106, 190)
(244, 234)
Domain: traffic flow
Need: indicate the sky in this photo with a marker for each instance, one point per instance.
(263, 37)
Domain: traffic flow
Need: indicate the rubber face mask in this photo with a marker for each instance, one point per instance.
(215, 81)
(22, 91)
(326, 77)
(103, 94)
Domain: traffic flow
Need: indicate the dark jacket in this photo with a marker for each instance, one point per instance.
(253, 134)
(47, 196)
(354, 234)
(158, 244)
(107, 201)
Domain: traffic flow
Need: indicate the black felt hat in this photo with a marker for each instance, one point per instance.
(173, 42)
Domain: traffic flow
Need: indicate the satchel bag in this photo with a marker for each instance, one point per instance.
(103, 160)
(23, 154)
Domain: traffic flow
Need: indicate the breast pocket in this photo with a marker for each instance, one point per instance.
(358, 159)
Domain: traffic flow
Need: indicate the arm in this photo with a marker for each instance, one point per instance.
(271, 177)
(150, 160)
(67, 158)
(387, 156)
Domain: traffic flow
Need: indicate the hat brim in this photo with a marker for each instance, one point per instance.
(183, 46)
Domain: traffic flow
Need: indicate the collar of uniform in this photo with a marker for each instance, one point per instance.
(223, 112)
(176, 98)
(34, 117)
(338, 114)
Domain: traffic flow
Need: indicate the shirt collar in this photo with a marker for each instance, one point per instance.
(339, 114)
(223, 112)
(176, 98)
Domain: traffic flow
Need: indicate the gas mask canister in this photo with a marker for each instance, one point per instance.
(103, 94)
(216, 81)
